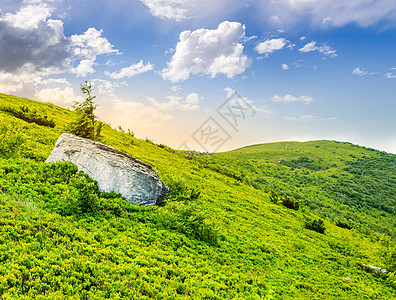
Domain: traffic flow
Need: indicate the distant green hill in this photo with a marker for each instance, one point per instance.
(336, 180)
(220, 234)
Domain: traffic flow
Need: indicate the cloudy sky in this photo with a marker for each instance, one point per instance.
(212, 75)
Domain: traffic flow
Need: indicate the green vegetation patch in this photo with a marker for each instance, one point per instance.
(31, 116)
(218, 235)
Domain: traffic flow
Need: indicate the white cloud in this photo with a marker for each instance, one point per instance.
(128, 113)
(87, 47)
(49, 81)
(362, 72)
(168, 9)
(91, 44)
(63, 97)
(230, 92)
(308, 118)
(175, 88)
(285, 67)
(335, 13)
(28, 17)
(391, 75)
(289, 98)
(288, 13)
(40, 44)
(181, 10)
(324, 49)
(358, 71)
(208, 51)
(84, 68)
(275, 19)
(105, 87)
(10, 83)
(32, 45)
(270, 46)
(175, 103)
(131, 71)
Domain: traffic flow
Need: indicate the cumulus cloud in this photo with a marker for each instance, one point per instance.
(90, 44)
(269, 46)
(12, 82)
(84, 68)
(106, 87)
(87, 47)
(62, 97)
(177, 103)
(131, 71)
(28, 17)
(34, 45)
(289, 98)
(324, 49)
(42, 44)
(59, 81)
(137, 112)
(211, 52)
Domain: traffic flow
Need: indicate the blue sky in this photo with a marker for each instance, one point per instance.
(212, 75)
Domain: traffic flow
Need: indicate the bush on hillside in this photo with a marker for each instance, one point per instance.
(300, 163)
(190, 221)
(315, 225)
(290, 203)
(180, 191)
(30, 116)
(391, 280)
(11, 138)
(344, 224)
(391, 261)
(59, 187)
(285, 201)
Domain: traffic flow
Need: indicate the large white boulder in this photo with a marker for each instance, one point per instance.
(112, 169)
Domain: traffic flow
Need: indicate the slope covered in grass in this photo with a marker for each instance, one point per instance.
(349, 184)
(216, 237)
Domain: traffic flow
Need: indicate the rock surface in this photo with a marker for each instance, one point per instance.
(377, 269)
(112, 169)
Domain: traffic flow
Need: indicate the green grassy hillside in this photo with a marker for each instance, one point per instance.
(339, 181)
(218, 236)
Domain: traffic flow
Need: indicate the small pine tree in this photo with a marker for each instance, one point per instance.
(86, 124)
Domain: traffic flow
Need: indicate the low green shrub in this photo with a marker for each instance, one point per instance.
(315, 225)
(11, 138)
(344, 224)
(391, 280)
(31, 116)
(59, 187)
(180, 191)
(285, 201)
(290, 203)
(189, 220)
